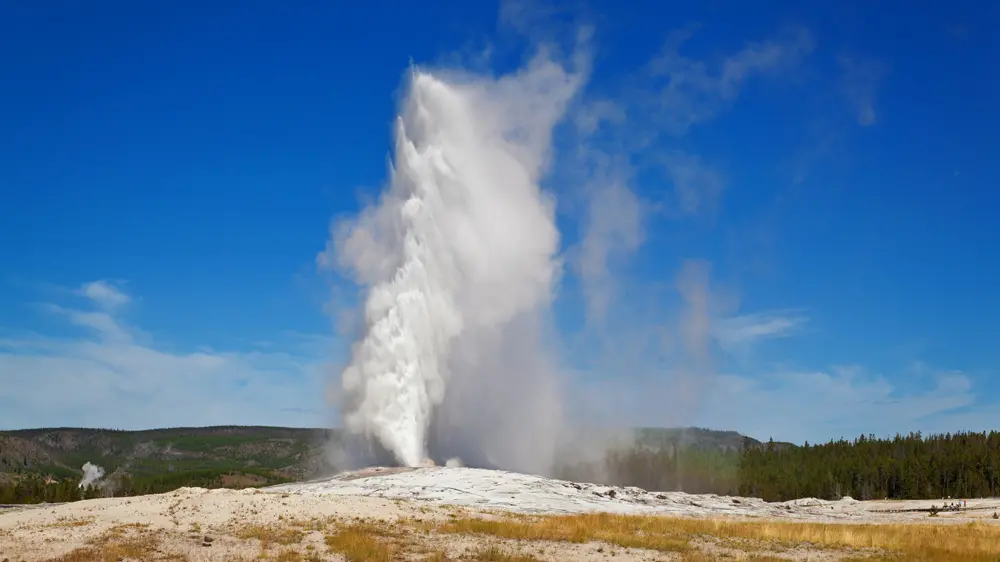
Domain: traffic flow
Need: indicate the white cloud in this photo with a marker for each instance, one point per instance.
(674, 93)
(747, 329)
(104, 293)
(107, 378)
(798, 406)
(839, 402)
(103, 324)
(860, 82)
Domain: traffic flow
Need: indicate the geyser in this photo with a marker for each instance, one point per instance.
(461, 244)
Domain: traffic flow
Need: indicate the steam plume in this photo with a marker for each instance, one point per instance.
(458, 260)
(91, 474)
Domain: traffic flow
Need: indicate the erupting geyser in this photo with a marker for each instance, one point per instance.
(462, 241)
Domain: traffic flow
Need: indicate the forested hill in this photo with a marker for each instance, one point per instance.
(960, 465)
(46, 463)
(154, 460)
(287, 453)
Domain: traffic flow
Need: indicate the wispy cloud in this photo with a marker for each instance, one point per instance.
(616, 135)
(697, 186)
(860, 81)
(647, 334)
(840, 402)
(104, 293)
(748, 329)
(803, 405)
(102, 324)
(613, 229)
(115, 376)
(686, 91)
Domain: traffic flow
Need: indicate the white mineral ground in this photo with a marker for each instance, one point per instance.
(522, 493)
(184, 516)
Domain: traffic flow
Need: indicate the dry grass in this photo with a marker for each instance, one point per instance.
(361, 542)
(124, 542)
(314, 524)
(919, 542)
(651, 533)
(695, 540)
(292, 555)
(64, 522)
(497, 554)
(270, 535)
(970, 542)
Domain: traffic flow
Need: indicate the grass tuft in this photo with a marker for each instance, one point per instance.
(497, 554)
(359, 542)
(64, 522)
(124, 542)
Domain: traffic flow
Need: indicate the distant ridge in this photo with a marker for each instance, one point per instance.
(267, 454)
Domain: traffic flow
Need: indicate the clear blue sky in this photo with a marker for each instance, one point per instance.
(169, 172)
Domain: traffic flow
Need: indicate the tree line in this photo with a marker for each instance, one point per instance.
(34, 488)
(956, 465)
(696, 469)
(960, 465)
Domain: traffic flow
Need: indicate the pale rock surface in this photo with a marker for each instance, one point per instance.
(523, 493)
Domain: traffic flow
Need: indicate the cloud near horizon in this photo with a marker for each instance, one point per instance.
(840, 402)
(116, 376)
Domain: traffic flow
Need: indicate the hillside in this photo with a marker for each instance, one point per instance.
(158, 460)
(258, 455)
(296, 452)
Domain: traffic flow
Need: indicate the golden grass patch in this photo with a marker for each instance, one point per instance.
(292, 555)
(651, 533)
(270, 535)
(64, 522)
(360, 542)
(314, 524)
(123, 542)
(913, 541)
(496, 554)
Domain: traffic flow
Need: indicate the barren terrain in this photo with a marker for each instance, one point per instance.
(461, 513)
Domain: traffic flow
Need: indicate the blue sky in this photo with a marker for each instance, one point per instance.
(169, 174)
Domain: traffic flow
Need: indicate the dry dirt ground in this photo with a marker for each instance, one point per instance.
(193, 524)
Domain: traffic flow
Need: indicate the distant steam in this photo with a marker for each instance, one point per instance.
(91, 474)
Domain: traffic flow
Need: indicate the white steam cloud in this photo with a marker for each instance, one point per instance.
(459, 260)
(91, 474)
